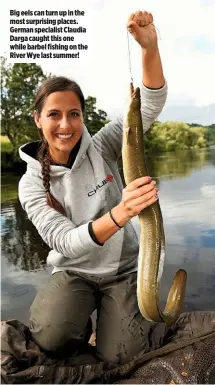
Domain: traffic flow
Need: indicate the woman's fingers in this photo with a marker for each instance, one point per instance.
(135, 205)
(144, 198)
(147, 203)
(139, 194)
(139, 191)
(138, 183)
(142, 18)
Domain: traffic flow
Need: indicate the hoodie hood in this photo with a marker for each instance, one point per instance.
(28, 153)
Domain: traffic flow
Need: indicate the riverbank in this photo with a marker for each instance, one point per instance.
(8, 164)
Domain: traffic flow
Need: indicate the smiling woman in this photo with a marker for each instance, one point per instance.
(60, 123)
(73, 194)
(59, 108)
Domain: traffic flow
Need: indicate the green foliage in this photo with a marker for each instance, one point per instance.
(171, 136)
(6, 154)
(210, 134)
(93, 119)
(18, 86)
(6, 147)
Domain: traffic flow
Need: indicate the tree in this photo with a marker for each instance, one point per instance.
(210, 134)
(94, 120)
(170, 136)
(19, 83)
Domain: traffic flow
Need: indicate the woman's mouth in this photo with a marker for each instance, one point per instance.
(65, 136)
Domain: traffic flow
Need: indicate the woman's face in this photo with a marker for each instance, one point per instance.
(61, 121)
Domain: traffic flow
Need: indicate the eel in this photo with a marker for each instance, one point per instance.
(152, 237)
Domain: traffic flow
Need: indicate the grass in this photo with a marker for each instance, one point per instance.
(10, 160)
(9, 192)
(4, 139)
(5, 144)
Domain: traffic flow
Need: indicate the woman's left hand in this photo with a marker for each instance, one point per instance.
(140, 25)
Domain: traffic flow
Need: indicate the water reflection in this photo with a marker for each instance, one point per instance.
(21, 244)
(177, 164)
(180, 163)
(186, 183)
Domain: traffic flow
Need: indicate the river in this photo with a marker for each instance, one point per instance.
(186, 183)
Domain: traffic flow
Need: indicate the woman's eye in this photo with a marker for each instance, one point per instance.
(53, 114)
(75, 114)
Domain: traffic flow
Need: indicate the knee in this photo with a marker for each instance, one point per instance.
(48, 337)
(121, 351)
(116, 353)
(57, 337)
(109, 356)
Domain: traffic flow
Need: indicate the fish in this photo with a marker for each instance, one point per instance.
(152, 236)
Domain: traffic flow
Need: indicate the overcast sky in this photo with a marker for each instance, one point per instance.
(187, 46)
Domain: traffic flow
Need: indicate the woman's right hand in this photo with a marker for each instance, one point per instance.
(136, 196)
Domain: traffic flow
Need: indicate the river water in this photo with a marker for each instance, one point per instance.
(186, 183)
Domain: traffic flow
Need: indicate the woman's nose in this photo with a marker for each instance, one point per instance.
(64, 123)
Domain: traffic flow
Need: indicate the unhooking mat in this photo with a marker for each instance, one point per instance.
(188, 357)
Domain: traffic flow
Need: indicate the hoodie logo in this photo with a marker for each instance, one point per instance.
(109, 178)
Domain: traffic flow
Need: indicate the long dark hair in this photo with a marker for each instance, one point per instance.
(50, 85)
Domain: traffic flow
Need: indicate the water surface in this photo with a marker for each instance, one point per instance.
(186, 183)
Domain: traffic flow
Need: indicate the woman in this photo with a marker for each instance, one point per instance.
(73, 194)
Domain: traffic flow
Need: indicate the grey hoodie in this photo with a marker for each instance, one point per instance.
(87, 191)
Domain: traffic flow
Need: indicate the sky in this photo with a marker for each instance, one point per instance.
(186, 42)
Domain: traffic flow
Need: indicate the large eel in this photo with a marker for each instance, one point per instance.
(152, 237)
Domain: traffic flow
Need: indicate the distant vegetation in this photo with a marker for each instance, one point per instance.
(171, 136)
(19, 83)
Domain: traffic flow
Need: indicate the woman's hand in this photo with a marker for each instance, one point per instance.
(140, 25)
(136, 196)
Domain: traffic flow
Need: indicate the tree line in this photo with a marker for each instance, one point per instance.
(171, 136)
(19, 83)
